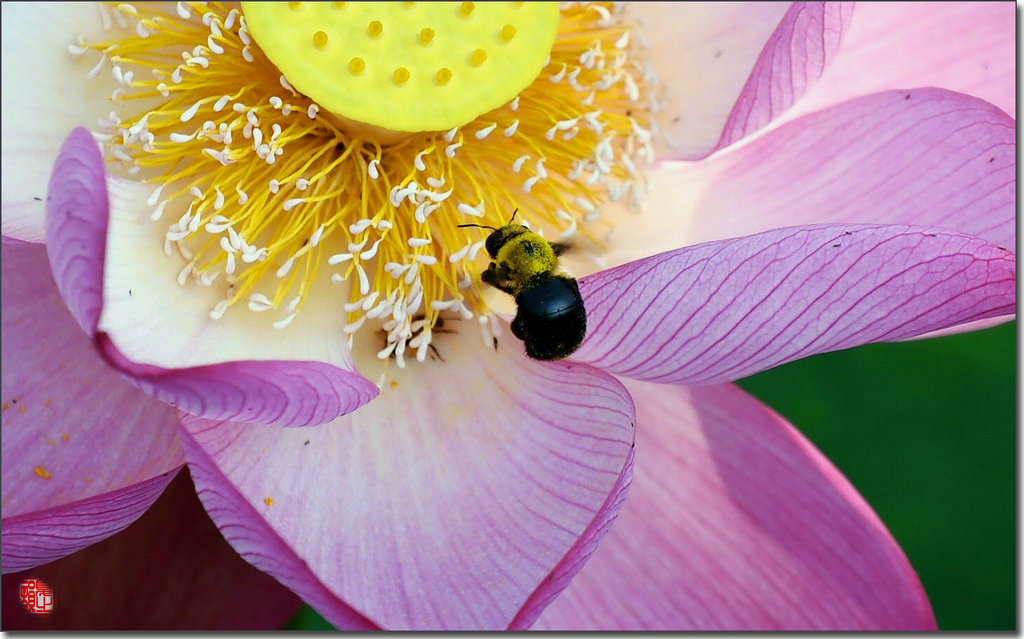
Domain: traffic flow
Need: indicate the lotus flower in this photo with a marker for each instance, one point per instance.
(834, 178)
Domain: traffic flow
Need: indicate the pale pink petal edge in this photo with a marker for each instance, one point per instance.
(736, 522)
(284, 393)
(39, 537)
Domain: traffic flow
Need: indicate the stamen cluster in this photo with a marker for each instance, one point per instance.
(264, 188)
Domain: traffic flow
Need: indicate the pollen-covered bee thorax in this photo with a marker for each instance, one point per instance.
(526, 256)
(264, 181)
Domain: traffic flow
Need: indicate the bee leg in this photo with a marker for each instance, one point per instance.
(434, 353)
(517, 328)
(560, 247)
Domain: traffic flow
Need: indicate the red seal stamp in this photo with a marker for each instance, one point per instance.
(36, 596)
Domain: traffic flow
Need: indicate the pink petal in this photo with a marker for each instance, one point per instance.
(934, 159)
(280, 393)
(968, 47)
(68, 421)
(465, 498)
(800, 49)
(286, 393)
(171, 570)
(732, 66)
(727, 309)
(736, 522)
(76, 223)
(703, 53)
(46, 93)
(41, 536)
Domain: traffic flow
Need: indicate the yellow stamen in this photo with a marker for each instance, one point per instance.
(261, 194)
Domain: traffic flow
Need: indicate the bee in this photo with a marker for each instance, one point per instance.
(550, 317)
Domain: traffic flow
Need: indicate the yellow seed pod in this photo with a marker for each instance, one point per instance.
(458, 60)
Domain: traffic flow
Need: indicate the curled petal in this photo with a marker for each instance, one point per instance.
(466, 503)
(280, 393)
(731, 67)
(68, 420)
(736, 522)
(171, 570)
(41, 536)
(795, 56)
(727, 309)
(226, 372)
(76, 223)
(935, 158)
(968, 47)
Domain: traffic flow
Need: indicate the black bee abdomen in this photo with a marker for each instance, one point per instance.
(551, 319)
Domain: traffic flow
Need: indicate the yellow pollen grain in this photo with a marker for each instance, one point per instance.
(338, 5)
(356, 66)
(63, 437)
(22, 409)
(443, 76)
(294, 6)
(268, 501)
(42, 472)
(320, 40)
(394, 383)
(478, 57)
(466, 9)
(5, 406)
(508, 32)
(375, 29)
(426, 36)
(400, 76)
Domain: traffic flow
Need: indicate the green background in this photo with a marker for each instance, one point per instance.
(926, 431)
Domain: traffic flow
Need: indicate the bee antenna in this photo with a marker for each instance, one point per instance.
(479, 226)
(513, 215)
